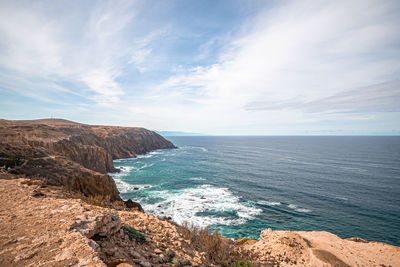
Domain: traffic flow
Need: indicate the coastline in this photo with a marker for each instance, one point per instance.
(44, 225)
(85, 224)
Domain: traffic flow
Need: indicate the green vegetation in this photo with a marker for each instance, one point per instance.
(134, 234)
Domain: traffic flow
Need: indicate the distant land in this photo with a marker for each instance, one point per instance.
(173, 133)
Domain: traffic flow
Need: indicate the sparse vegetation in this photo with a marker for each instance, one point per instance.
(134, 234)
(216, 247)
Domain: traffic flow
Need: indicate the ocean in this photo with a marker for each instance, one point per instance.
(346, 185)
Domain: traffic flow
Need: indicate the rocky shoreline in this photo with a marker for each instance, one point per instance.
(76, 156)
(59, 207)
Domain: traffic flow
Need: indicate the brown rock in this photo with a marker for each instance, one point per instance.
(124, 265)
(74, 155)
(245, 241)
(133, 205)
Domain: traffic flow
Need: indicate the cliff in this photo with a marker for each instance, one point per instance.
(43, 226)
(77, 156)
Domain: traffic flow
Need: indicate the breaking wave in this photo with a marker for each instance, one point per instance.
(200, 206)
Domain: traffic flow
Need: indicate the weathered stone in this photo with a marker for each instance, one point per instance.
(76, 156)
(145, 264)
(133, 205)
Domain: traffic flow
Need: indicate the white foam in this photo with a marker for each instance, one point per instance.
(269, 203)
(124, 187)
(296, 208)
(156, 152)
(194, 147)
(303, 210)
(198, 179)
(123, 171)
(185, 205)
(143, 166)
(149, 155)
(201, 148)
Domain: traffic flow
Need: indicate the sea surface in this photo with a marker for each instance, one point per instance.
(349, 186)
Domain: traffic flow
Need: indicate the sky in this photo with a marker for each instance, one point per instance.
(218, 67)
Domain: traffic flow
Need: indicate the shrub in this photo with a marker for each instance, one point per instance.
(216, 247)
(134, 234)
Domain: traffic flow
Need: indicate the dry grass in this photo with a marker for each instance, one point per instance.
(218, 248)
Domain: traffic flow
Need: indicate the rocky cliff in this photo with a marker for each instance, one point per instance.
(75, 155)
(41, 226)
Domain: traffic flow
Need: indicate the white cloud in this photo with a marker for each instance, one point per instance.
(294, 63)
(299, 50)
(37, 46)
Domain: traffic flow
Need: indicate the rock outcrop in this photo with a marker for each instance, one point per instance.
(75, 155)
(319, 249)
(42, 226)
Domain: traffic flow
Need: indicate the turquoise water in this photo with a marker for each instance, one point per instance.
(241, 185)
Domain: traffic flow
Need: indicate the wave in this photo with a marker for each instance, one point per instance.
(123, 160)
(144, 166)
(296, 208)
(269, 203)
(125, 170)
(195, 147)
(202, 206)
(124, 187)
(198, 179)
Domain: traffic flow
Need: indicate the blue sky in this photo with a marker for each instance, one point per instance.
(214, 67)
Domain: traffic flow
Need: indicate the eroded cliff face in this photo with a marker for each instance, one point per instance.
(75, 155)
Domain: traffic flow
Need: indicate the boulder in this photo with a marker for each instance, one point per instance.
(133, 205)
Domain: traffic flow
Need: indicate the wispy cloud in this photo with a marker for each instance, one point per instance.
(376, 98)
(279, 67)
(299, 53)
(93, 53)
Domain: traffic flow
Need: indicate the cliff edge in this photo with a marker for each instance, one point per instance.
(77, 156)
(43, 226)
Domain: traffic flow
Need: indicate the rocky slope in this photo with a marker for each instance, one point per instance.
(319, 248)
(75, 155)
(45, 226)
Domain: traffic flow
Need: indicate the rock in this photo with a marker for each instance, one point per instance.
(117, 262)
(357, 239)
(145, 264)
(157, 251)
(37, 193)
(101, 224)
(93, 245)
(76, 156)
(245, 241)
(124, 265)
(133, 205)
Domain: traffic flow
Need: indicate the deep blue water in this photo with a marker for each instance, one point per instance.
(349, 186)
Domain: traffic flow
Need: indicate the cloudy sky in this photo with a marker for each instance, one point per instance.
(216, 67)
